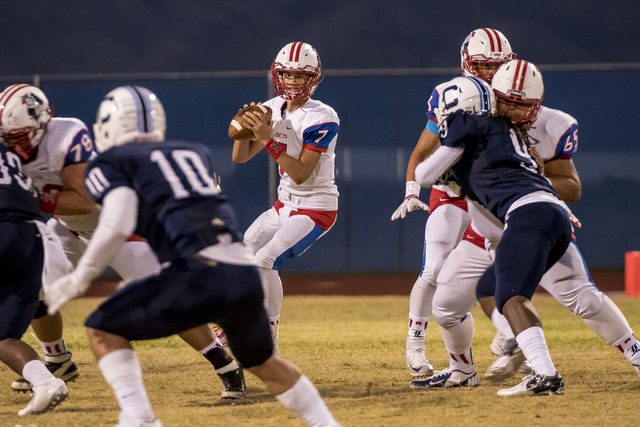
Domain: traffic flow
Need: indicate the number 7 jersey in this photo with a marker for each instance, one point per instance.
(181, 209)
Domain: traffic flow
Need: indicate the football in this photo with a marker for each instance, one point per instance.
(237, 130)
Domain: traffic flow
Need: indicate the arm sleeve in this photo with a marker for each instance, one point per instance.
(117, 222)
(428, 172)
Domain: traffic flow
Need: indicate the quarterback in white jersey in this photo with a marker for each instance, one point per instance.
(554, 136)
(481, 53)
(302, 139)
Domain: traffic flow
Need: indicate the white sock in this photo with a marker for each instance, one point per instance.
(609, 323)
(535, 350)
(304, 399)
(630, 347)
(121, 369)
(457, 340)
(36, 373)
(272, 287)
(53, 348)
(274, 325)
(501, 324)
(417, 326)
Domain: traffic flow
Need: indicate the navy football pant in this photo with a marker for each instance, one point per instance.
(187, 294)
(21, 260)
(535, 237)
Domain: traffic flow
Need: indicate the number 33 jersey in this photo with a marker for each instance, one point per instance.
(181, 209)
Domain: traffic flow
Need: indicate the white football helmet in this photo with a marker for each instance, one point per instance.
(296, 57)
(520, 83)
(484, 46)
(127, 114)
(24, 116)
(470, 94)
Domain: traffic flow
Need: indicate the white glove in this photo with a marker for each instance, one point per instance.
(411, 201)
(62, 290)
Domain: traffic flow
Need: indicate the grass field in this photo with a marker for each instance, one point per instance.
(352, 348)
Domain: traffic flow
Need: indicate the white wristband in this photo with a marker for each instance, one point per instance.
(412, 189)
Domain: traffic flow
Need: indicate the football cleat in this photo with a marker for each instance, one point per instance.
(498, 344)
(448, 378)
(128, 421)
(233, 386)
(507, 364)
(46, 397)
(60, 366)
(525, 368)
(636, 366)
(419, 365)
(536, 385)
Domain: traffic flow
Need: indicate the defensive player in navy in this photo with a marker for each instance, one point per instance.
(302, 139)
(55, 152)
(490, 159)
(481, 53)
(166, 193)
(22, 256)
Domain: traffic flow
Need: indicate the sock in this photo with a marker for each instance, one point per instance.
(36, 373)
(121, 369)
(221, 360)
(53, 348)
(274, 325)
(535, 350)
(629, 347)
(417, 326)
(501, 324)
(304, 399)
(457, 340)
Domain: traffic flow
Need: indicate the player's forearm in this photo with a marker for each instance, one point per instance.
(245, 150)
(569, 190)
(70, 202)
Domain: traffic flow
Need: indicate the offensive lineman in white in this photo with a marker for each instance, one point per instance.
(519, 90)
(302, 139)
(481, 53)
(55, 152)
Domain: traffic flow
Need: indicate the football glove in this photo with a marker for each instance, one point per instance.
(62, 290)
(411, 201)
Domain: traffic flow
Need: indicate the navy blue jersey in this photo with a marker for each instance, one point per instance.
(17, 203)
(181, 209)
(496, 168)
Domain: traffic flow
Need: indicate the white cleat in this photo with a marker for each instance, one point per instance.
(507, 364)
(419, 365)
(448, 378)
(46, 397)
(536, 385)
(128, 421)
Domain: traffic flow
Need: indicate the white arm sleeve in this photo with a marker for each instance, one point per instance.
(117, 222)
(434, 166)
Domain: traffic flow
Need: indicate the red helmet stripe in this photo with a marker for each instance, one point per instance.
(488, 32)
(498, 41)
(521, 73)
(7, 96)
(294, 55)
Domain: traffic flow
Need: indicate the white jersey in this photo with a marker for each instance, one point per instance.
(555, 134)
(313, 126)
(66, 142)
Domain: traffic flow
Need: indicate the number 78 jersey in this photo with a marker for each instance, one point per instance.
(181, 209)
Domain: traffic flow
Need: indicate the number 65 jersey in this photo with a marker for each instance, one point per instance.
(180, 207)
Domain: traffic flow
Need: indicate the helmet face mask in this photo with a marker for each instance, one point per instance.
(519, 90)
(470, 94)
(24, 116)
(296, 57)
(483, 51)
(127, 114)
